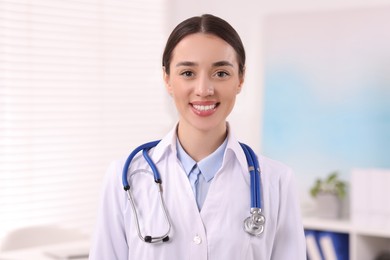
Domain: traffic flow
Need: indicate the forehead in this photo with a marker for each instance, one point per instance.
(200, 47)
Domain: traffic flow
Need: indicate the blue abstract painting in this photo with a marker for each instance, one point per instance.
(327, 91)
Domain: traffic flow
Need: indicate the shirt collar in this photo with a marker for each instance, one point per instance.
(233, 148)
(186, 161)
(212, 163)
(208, 166)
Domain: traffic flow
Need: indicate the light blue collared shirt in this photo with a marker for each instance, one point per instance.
(208, 167)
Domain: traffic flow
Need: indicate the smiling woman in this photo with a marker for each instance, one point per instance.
(203, 82)
(204, 190)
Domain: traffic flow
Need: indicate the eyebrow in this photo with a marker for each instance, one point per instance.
(215, 64)
(222, 63)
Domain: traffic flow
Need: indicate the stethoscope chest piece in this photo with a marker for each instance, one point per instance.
(254, 224)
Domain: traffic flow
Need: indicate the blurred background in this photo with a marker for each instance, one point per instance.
(81, 85)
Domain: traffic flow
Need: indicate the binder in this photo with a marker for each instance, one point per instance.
(334, 246)
(312, 247)
(324, 245)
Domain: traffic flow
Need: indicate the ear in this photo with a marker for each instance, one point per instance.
(167, 81)
(241, 83)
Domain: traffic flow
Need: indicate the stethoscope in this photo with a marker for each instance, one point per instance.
(254, 224)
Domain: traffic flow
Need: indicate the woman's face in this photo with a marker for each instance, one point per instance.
(203, 81)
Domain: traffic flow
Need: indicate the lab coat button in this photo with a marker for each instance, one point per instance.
(197, 239)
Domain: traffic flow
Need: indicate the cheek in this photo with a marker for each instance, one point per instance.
(231, 100)
(179, 94)
(232, 92)
(180, 89)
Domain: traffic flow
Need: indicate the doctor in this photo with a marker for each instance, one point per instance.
(204, 172)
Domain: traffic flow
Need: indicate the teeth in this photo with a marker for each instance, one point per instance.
(204, 108)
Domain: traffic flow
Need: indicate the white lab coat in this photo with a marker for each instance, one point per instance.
(214, 233)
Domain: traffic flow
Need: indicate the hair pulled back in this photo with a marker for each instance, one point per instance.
(208, 24)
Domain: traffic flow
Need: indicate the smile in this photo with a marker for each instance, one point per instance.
(205, 108)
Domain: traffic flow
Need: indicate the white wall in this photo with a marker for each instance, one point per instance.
(248, 17)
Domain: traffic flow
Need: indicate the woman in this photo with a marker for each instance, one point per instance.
(204, 172)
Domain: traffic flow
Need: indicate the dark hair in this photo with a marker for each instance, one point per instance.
(208, 24)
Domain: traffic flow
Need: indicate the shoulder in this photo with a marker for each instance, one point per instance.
(114, 173)
(275, 171)
(274, 165)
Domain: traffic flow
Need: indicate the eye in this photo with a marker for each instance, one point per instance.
(187, 74)
(222, 74)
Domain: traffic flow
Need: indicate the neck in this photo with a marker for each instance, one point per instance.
(199, 144)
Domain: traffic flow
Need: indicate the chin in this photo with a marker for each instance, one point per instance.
(209, 126)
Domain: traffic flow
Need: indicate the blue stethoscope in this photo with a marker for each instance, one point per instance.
(254, 224)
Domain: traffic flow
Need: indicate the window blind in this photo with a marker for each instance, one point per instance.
(80, 85)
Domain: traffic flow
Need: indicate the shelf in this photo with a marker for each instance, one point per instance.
(366, 241)
(341, 226)
(345, 226)
(372, 232)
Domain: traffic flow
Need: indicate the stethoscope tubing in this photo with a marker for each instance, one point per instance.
(254, 224)
(126, 166)
(156, 173)
(253, 167)
(254, 170)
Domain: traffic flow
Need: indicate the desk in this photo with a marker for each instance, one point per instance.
(77, 250)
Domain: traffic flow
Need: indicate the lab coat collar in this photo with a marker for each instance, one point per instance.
(233, 148)
(168, 144)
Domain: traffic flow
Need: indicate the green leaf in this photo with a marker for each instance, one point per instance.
(331, 184)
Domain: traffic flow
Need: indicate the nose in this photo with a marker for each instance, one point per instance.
(204, 87)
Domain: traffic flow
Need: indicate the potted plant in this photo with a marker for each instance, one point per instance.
(329, 193)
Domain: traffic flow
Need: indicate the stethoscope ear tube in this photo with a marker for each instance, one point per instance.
(126, 166)
(145, 148)
(147, 238)
(156, 174)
